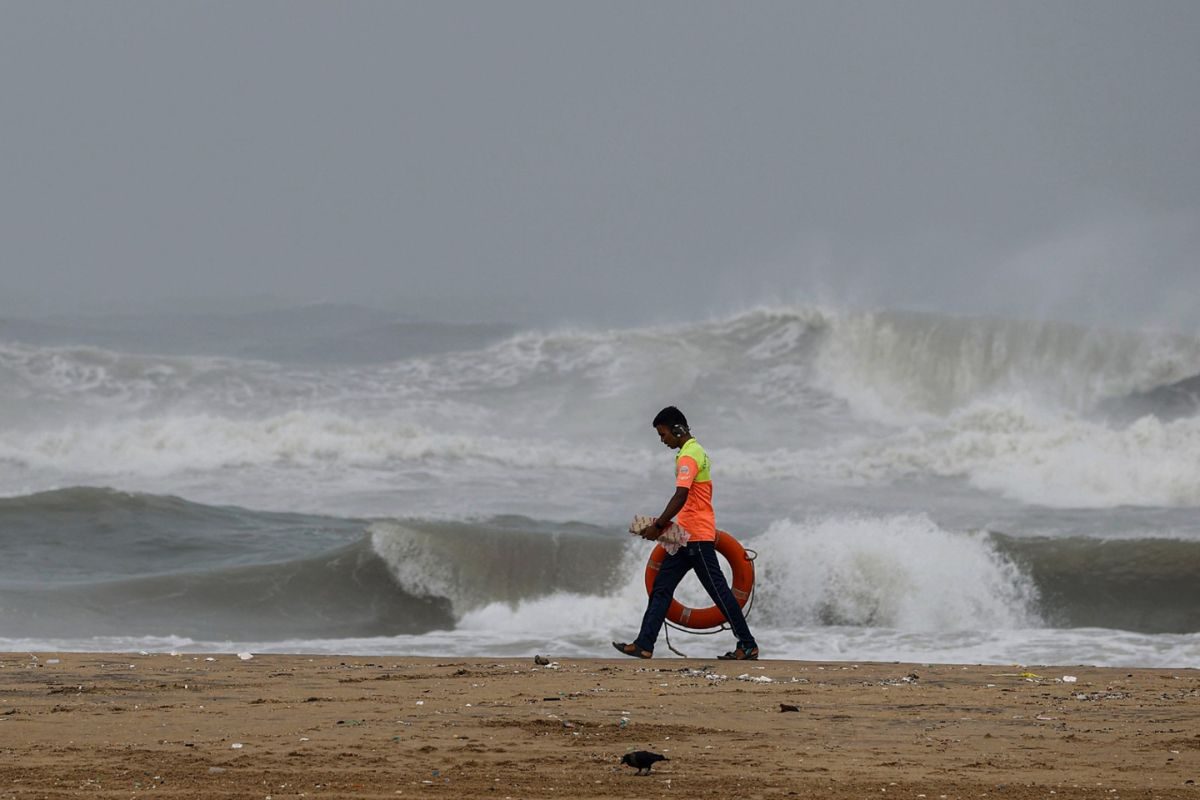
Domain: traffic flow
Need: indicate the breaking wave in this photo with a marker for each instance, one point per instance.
(165, 567)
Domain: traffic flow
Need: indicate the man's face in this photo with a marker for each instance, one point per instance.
(666, 437)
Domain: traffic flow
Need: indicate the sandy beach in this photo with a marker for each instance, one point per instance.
(217, 725)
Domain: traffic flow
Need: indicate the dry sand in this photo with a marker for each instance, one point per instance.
(119, 725)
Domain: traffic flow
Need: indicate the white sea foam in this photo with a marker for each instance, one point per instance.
(900, 572)
(1038, 457)
(904, 589)
(901, 363)
(1045, 646)
(298, 438)
(1024, 453)
(417, 567)
(812, 395)
(562, 614)
(905, 367)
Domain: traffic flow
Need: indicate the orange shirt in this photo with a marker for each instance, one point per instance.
(696, 517)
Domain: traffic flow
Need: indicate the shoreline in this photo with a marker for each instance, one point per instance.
(115, 724)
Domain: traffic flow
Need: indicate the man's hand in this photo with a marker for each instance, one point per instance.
(650, 532)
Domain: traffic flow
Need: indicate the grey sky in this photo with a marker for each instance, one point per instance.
(604, 162)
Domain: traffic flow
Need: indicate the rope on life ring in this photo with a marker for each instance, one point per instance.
(742, 586)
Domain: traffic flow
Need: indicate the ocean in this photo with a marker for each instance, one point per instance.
(916, 487)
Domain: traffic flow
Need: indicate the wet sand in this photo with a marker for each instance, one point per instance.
(201, 726)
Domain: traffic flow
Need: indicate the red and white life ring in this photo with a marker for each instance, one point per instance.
(711, 617)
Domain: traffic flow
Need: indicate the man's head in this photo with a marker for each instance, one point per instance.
(672, 427)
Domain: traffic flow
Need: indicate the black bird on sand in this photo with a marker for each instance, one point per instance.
(643, 760)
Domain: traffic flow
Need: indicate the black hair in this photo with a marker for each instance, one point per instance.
(670, 416)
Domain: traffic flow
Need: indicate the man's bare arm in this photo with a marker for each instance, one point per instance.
(674, 506)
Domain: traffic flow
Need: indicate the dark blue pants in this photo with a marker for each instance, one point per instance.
(701, 557)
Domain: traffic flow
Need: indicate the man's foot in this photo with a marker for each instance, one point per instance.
(740, 653)
(635, 651)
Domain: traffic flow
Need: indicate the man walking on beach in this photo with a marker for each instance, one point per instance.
(692, 502)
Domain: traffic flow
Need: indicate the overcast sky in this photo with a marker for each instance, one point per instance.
(603, 162)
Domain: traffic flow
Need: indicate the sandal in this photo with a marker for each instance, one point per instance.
(740, 654)
(632, 650)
